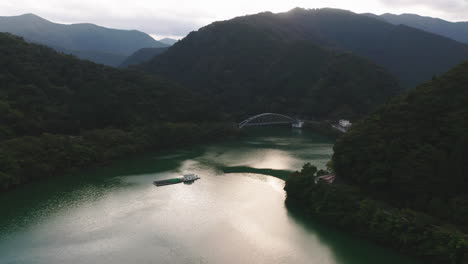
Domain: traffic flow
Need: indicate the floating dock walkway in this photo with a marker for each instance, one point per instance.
(188, 178)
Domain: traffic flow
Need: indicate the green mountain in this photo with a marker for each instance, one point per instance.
(402, 174)
(408, 53)
(168, 41)
(58, 113)
(86, 41)
(141, 56)
(414, 149)
(454, 30)
(59, 94)
(109, 59)
(413, 154)
(252, 64)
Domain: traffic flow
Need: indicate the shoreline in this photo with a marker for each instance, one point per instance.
(36, 158)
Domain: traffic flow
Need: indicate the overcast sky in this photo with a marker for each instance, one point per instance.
(176, 18)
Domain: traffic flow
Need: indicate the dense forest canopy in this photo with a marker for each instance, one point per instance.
(413, 151)
(347, 206)
(58, 113)
(43, 91)
(141, 56)
(246, 68)
(402, 174)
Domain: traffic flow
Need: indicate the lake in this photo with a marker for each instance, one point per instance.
(234, 214)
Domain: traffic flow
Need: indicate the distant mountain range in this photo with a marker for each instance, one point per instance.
(168, 41)
(454, 30)
(272, 62)
(86, 41)
(145, 54)
(412, 55)
(141, 56)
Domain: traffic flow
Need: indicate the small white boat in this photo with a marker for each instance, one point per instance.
(190, 177)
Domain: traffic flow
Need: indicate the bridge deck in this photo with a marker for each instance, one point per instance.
(268, 119)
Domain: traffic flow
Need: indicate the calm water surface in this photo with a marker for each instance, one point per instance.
(234, 214)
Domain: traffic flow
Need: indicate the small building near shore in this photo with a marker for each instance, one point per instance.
(327, 178)
(345, 123)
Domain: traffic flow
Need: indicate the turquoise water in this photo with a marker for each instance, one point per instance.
(234, 214)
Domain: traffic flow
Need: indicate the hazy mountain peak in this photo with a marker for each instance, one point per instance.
(29, 17)
(297, 10)
(306, 11)
(454, 30)
(168, 41)
(85, 40)
(406, 52)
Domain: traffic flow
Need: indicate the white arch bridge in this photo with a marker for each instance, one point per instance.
(271, 119)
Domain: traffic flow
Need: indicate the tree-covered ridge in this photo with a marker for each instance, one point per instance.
(43, 91)
(402, 174)
(413, 152)
(58, 113)
(247, 69)
(346, 206)
(409, 54)
(142, 55)
(406, 52)
(86, 41)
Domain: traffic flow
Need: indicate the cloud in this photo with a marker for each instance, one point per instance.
(448, 9)
(156, 17)
(160, 18)
(177, 18)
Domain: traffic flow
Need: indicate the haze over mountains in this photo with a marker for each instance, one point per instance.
(454, 30)
(412, 55)
(141, 56)
(387, 40)
(266, 63)
(86, 41)
(168, 41)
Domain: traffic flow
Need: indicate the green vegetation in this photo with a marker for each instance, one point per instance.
(413, 151)
(246, 69)
(30, 158)
(223, 49)
(346, 206)
(58, 113)
(405, 168)
(141, 56)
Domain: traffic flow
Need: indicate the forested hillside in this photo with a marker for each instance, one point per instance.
(247, 68)
(58, 113)
(141, 56)
(412, 55)
(414, 150)
(403, 173)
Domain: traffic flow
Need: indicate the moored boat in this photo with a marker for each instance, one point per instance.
(186, 179)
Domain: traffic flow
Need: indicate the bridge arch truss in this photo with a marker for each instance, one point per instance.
(268, 119)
